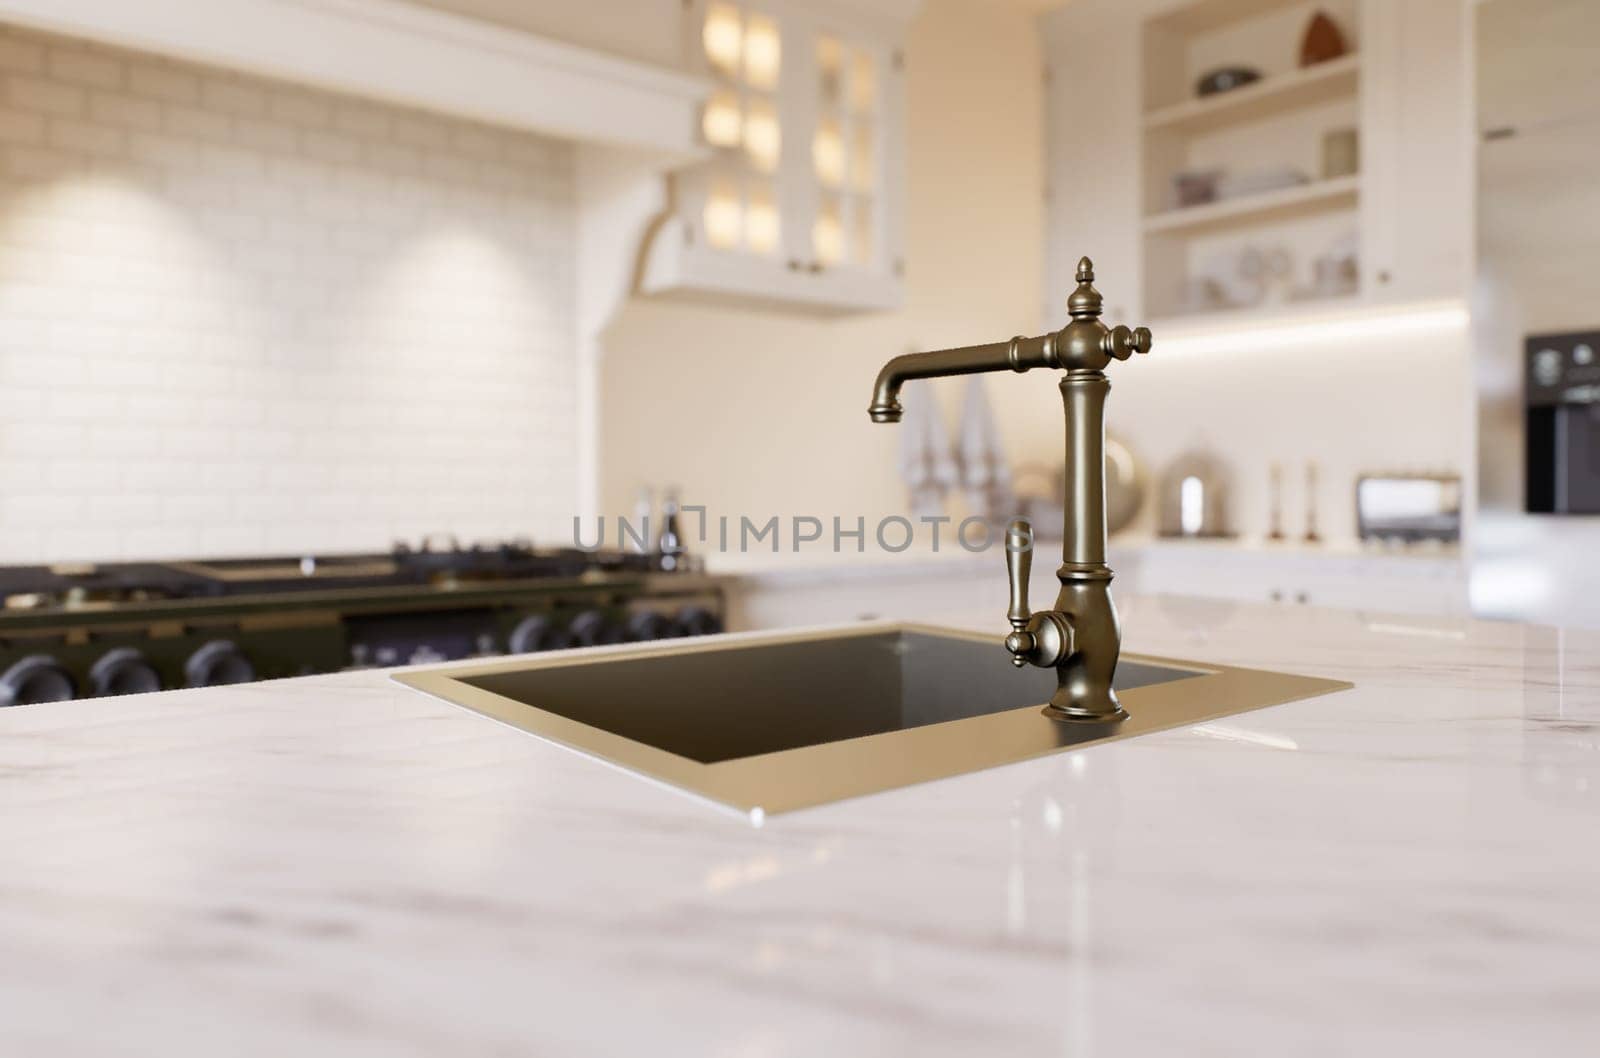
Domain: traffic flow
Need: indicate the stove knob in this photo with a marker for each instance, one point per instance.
(36, 678)
(533, 634)
(648, 625)
(217, 663)
(122, 671)
(697, 621)
(590, 629)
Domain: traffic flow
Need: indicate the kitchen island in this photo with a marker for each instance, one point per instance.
(339, 865)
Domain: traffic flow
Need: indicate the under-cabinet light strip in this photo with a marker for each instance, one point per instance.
(1318, 330)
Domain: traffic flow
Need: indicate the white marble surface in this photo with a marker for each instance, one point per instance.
(341, 866)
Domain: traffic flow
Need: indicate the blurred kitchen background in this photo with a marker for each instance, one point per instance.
(287, 281)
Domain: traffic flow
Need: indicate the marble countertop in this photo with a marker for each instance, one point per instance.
(339, 865)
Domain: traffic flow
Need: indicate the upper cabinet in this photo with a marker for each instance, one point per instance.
(799, 202)
(1286, 157)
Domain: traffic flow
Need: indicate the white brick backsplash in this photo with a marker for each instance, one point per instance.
(45, 96)
(158, 80)
(18, 127)
(232, 95)
(238, 315)
(20, 54)
(82, 67)
(87, 137)
(195, 123)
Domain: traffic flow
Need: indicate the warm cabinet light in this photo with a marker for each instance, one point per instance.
(827, 153)
(763, 54)
(723, 38)
(863, 248)
(863, 82)
(827, 238)
(761, 224)
(861, 173)
(762, 140)
(1359, 324)
(721, 123)
(723, 219)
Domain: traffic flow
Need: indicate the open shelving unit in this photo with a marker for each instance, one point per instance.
(1287, 92)
(1284, 204)
(1275, 123)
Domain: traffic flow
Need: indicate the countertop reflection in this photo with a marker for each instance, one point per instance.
(336, 865)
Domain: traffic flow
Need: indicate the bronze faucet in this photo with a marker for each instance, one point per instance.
(1080, 638)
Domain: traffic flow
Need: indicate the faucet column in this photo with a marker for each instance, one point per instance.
(1083, 691)
(1083, 395)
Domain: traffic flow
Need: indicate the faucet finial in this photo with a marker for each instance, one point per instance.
(1084, 302)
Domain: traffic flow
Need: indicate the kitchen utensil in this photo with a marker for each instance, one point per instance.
(1275, 502)
(1194, 496)
(927, 462)
(1226, 79)
(1312, 536)
(1194, 187)
(1322, 41)
(1260, 181)
(1341, 153)
(985, 475)
(1125, 484)
(1409, 508)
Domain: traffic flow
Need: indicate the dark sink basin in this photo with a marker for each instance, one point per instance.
(716, 705)
(776, 721)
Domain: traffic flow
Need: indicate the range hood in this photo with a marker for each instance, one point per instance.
(402, 53)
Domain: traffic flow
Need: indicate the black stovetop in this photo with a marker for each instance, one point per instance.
(31, 587)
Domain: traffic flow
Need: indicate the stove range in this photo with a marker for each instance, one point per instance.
(78, 630)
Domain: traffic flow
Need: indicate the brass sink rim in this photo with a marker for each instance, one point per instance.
(766, 784)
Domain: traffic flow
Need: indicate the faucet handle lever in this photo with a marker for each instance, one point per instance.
(1122, 342)
(1019, 564)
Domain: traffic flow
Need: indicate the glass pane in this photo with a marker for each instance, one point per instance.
(827, 152)
(830, 70)
(723, 217)
(862, 248)
(761, 220)
(763, 141)
(863, 82)
(723, 38)
(863, 173)
(827, 233)
(763, 54)
(721, 122)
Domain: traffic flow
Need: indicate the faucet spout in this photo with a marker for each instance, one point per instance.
(1019, 354)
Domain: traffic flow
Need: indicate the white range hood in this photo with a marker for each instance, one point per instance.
(403, 53)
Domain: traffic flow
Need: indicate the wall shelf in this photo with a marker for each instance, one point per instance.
(1286, 204)
(1267, 98)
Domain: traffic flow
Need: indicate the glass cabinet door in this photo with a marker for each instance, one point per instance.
(738, 196)
(846, 164)
(797, 122)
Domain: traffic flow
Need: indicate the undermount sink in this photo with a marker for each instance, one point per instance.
(771, 722)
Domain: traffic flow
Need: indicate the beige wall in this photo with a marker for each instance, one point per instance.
(760, 413)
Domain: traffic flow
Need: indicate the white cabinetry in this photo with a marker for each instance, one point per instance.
(800, 203)
(1124, 119)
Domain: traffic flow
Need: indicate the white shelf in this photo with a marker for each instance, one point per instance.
(1303, 199)
(1267, 98)
(676, 266)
